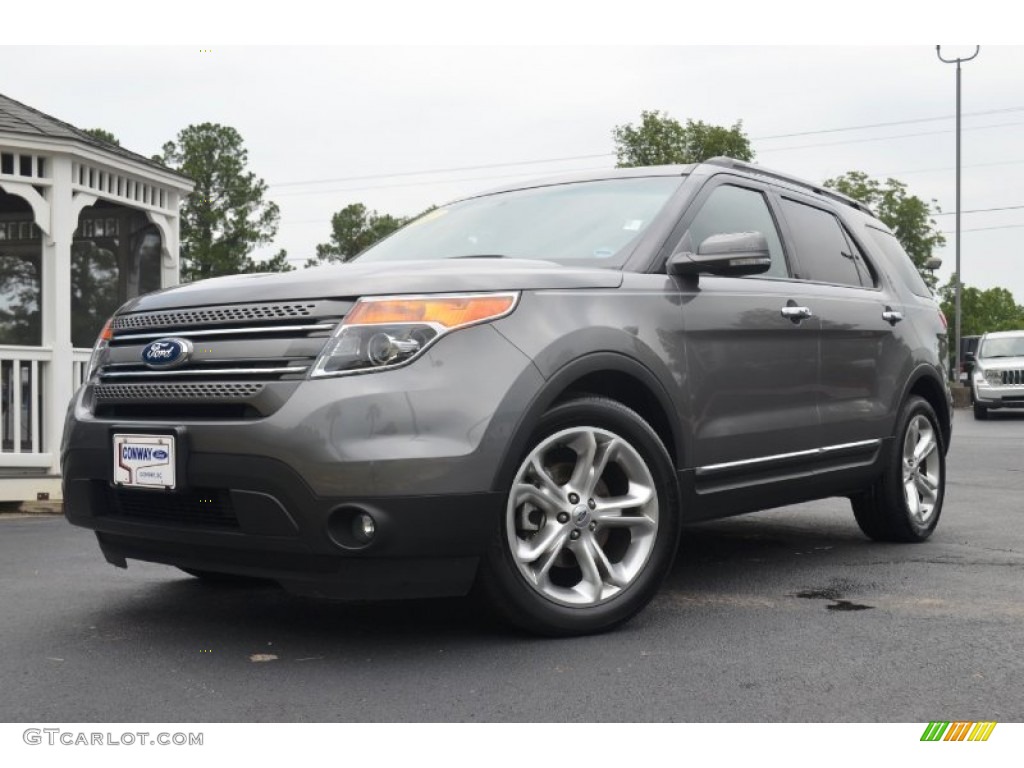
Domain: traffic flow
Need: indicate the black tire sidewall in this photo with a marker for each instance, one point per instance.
(519, 602)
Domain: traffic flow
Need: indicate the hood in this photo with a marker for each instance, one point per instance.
(356, 279)
(1001, 363)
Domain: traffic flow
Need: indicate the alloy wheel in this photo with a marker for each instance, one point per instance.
(922, 469)
(582, 516)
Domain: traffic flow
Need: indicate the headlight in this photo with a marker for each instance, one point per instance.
(992, 378)
(102, 342)
(388, 331)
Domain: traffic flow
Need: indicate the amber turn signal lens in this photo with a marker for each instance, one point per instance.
(447, 311)
(108, 331)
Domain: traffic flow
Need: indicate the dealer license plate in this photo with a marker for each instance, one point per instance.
(144, 461)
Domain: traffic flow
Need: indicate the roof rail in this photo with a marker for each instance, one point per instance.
(733, 163)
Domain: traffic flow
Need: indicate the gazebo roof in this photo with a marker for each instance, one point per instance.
(16, 117)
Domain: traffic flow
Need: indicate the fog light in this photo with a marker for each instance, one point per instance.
(363, 527)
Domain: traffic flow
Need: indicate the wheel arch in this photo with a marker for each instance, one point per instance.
(927, 384)
(608, 374)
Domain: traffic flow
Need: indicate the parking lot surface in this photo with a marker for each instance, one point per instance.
(788, 615)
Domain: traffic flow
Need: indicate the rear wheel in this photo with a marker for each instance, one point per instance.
(590, 526)
(904, 504)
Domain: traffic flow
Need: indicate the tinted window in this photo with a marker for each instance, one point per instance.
(732, 209)
(595, 222)
(826, 254)
(900, 262)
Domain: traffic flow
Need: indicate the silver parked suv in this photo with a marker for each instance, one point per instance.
(997, 380)
(527, 392)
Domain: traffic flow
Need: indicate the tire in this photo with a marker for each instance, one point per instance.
(904, 504)
(980, 412)
(598, 558)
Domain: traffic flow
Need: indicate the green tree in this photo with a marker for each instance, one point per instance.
(354, 229)
(662, 140)
(908, 216)
(103, 135)
(226, 216)
(981, 311)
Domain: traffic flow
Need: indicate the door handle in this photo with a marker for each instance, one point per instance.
(796, 314)
(891, 316)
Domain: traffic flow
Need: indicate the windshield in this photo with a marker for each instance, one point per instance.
(594, 223)
(1008, 347)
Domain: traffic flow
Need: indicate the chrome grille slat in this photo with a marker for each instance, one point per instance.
(105, 374)
(1013, 378)
(187, 333)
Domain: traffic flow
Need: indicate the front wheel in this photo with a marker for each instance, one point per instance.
(904, 504)
(591, 522)
(980, 412)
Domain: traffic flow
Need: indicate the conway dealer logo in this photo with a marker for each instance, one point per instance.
(958, 731)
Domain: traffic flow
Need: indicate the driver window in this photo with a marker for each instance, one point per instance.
(736, 209)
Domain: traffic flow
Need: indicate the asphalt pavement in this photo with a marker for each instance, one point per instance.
(788, 615)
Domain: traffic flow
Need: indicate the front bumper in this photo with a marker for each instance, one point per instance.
(998, 396)
(418, 448)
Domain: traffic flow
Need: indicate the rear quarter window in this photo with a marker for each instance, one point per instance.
(900, 263)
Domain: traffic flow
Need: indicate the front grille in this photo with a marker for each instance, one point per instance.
(202, 508)
(213, 315)
(1013, 378)
(184, 392)
(242, 360)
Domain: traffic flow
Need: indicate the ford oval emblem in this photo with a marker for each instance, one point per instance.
(166, 353)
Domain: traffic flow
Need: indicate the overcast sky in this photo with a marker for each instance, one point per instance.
(398, 114)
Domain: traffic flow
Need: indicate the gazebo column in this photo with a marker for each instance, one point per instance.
(56, 306)
(170, 269)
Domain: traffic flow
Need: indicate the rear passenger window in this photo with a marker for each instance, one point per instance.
(732, 209)
(826, 253)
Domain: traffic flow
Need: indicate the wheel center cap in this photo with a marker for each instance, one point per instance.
(581, 516)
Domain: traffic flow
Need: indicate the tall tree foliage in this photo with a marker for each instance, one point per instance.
(103, 135)
(354, 229)
(908, 216)
(226, 217)
(661, 140)
(982, 311)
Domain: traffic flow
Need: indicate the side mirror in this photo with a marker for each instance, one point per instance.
(733, 255)
(970, 357)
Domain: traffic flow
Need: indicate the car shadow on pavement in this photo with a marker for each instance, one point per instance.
(713, 558)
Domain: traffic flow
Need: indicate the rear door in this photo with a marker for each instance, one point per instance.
(863, 354)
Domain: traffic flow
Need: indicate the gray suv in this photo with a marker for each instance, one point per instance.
(526, 393)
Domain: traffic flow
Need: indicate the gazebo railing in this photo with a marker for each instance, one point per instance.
(23, 407)
(79, 366)
(22, 370)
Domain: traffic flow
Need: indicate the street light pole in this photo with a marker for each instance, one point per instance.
(959, 282)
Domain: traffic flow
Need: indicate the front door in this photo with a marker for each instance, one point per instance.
(751, 349)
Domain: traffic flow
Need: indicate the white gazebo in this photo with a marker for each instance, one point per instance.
(84, 226)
